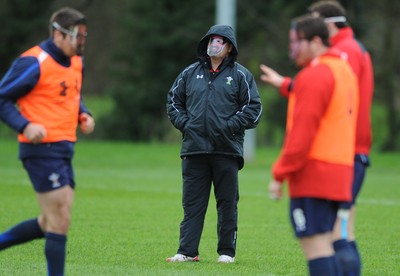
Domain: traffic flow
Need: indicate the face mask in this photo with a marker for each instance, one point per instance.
(294, 45)
(77, 41)
(76, 38)
(215, 46)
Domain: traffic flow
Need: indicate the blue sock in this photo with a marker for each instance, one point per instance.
(23, 232)
(325, 266)
(55, 253)
(346, 257)
(353, 245)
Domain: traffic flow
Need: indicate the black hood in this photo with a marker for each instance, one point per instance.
(222, 30)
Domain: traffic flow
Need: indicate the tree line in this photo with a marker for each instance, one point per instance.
(135, 49)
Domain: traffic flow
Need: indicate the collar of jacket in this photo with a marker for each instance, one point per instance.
(49, 47)
(206, 62)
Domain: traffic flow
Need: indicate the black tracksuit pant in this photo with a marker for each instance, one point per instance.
(199, 172)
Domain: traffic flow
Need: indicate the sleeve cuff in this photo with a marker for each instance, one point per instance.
(286, 87)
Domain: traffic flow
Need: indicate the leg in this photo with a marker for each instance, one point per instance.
(361, 164)
(320, 255)
(225, 178)
(344, 226)
(55, 219)
(56, 208)
(317, 246)
(344, 234)
(23, 232)
(312, 220)
(53, 181)
(196, 193)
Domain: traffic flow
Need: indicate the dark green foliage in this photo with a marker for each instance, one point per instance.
(137, 48)
(19, 21)
(159, 40)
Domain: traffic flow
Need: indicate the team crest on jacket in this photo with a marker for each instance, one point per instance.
(54, 178)
(228, 80)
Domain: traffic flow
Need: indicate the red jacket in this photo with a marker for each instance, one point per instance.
(318, 153)
(361, 63)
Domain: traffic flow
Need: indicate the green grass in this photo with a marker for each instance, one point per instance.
(128, 208)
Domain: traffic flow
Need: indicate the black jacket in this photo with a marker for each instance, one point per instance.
(212, 110)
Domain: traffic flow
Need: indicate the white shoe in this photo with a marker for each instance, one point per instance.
(226, 259)
(182, 258)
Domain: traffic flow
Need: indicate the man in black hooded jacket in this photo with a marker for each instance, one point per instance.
(212, 102)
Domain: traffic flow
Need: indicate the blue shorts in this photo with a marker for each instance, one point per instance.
(310, 216)
(361, 162)
(49, 174)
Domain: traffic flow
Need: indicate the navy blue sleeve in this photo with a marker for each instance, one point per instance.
(83, 108)
(18, 81)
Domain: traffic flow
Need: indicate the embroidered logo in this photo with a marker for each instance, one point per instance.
(299, 219)
(54, 178)
(64, 88)
(199, 77)
(229, 80)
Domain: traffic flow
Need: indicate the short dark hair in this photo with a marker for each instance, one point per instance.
(308, 27)
(329, 8)
(66, 18)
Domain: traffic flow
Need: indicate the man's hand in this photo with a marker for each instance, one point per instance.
(34, 132)
(271, 76)
(86, 123)
(275, 189)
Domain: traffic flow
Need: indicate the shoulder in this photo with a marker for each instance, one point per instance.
(190, 69)
(315, 71)
(243, 71)
(353, 49)
(187, 73)
(318, 76)
(34, 51)
(25, 63)
(350, 46)
(22, 75)
(240, 67)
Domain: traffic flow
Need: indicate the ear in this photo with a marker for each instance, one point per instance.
(57, 34)
(58, 37)
(317, 39)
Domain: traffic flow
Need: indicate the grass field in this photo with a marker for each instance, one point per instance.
(128, 209)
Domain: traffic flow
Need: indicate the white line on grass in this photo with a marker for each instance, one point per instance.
(383, 201)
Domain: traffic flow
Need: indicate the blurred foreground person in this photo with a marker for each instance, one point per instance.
(318, 151)
(342, 37)
(212, 102)
(45, 83)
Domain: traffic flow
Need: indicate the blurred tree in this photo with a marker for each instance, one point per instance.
(159, 39)
(157, 46)
(19, 21)
(263, 38)
(384, 40)
(137, 48)
(373, 22)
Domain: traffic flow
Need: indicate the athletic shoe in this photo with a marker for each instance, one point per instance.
(225, 259)
(178, 258)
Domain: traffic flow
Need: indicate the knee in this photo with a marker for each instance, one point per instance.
(58, 222)
(65, 221)
(347, 260)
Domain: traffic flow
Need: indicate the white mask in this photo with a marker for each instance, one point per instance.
(215, 46)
